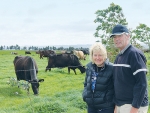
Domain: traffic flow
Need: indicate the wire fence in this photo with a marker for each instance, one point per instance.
(41, 69)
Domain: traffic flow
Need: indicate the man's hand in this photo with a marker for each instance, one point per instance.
(115, 110)
(134, 110)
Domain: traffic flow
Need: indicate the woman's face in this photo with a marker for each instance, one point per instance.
(98, 58)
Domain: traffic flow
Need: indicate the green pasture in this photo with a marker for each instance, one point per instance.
(59, 93)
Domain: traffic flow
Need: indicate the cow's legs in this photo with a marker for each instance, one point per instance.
(47, 69)
(72, 69)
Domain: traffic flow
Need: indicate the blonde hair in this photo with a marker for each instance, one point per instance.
(97, 47)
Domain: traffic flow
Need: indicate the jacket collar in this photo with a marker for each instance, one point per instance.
(122, 51)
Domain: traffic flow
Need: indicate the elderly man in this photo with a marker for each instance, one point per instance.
(129, 72)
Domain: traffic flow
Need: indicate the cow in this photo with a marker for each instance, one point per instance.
(64, 60)
(37, 52)
(65, 51)
(46, 53)
(146, 50)
(26, 69)
(79, 54)
(14, 53)
(85, 51)
(27, 52)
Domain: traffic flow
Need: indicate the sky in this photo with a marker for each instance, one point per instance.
(60, 22)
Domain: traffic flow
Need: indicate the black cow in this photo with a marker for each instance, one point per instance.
(85, 51)
(27, 52)
(64, 60)
(26, 69)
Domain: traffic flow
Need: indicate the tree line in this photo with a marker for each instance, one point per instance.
(17, 47)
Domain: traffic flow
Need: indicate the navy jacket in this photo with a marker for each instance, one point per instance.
(130, 82)
(102, 97)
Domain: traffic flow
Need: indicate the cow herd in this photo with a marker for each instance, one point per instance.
(26, 67)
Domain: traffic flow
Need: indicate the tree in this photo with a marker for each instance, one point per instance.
(107, 19)
(142, 33)
(7, 48)
(17, 47)
(70, 48)
(1, 48)
(24, 48)
(12, 47)
(54, 48)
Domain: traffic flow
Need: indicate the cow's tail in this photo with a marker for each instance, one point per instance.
(33, 70)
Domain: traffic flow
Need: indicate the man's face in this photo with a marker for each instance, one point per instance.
(121, 41)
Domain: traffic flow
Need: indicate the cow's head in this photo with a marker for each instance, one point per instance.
(35, 85)
(82, 69)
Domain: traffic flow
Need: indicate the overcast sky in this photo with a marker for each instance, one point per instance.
(60, 22)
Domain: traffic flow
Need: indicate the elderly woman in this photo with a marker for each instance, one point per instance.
(98, 86)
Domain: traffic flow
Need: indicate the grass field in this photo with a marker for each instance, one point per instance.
(59, 93)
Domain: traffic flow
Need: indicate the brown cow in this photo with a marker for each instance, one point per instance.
(46, 53)
(80, 55)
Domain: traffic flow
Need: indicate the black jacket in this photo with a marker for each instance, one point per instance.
(102, 97)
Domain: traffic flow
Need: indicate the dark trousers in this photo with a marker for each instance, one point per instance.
(105, 110)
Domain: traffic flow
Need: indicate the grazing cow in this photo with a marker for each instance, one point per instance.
(26, 69)
(14, 53)
(46, 53)
(80, 55)
(65, 60)
(27, 52)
